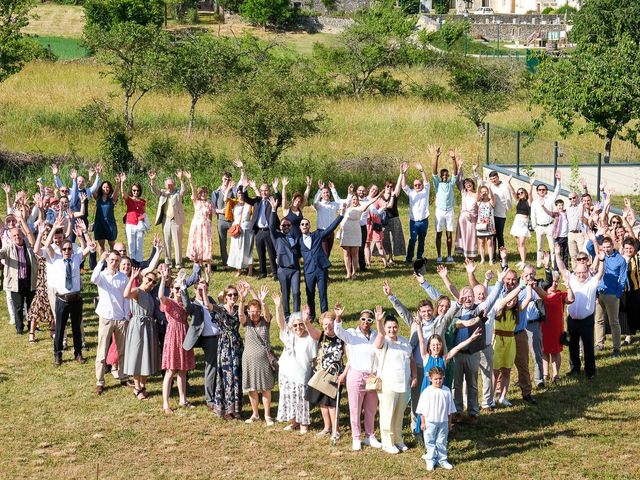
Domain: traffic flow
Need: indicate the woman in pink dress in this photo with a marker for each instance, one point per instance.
(175, 359)
(200, 236)
(466, 244)
(375, 231)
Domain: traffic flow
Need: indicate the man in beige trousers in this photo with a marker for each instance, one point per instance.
(170, 215)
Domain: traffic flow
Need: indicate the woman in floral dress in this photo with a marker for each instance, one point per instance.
(227, 401)
(200, 233)
(40, 310)
(175, 359)
(485, 226)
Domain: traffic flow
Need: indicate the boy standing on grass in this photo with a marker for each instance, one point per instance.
(435, 408)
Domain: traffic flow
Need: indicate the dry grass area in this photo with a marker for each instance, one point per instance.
(53, 425)
(49, 19)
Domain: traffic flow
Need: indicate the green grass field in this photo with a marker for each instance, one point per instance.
(64, 48)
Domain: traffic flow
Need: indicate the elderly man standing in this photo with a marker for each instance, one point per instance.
(610, 289)
(418, 209)
(580, 321)
(540, 219)
(444, 185)
(20, 275)
(170, 215)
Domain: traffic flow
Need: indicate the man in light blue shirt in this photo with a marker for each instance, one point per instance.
(444, 186)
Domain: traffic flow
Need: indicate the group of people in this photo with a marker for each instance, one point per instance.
(148, 322)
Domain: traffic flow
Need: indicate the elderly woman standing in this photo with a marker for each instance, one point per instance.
(330, 352)
(228, 397)
(397, 370)
(361, 365)
(257, 375)
(141, 352)
(295, 369)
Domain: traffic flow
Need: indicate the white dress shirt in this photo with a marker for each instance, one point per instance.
(585, 297)
(574, 213)
(361, 350)
(307, 241)
(394, 366)
(502, 195)
(418, 202)
(58, 276)
(538, 215)
(111, 302)
(210, 328)
(326, 210)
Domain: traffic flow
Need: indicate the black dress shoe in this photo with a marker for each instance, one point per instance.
(57, 361)
(529, 399)
(573, 373)
(262, 275)
(81, 360)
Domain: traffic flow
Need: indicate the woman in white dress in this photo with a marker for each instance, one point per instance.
(351, 234)
(520, 227)
(240, 251)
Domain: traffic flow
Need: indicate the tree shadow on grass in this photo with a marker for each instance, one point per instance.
(570, 400)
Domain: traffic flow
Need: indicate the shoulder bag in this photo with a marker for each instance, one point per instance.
(325, 381)
(374, 382)
(271, 356)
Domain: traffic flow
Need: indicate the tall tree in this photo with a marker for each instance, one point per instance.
(271, 109)
(604, 21)
(600, 86)
(266, 12)
(15, 48)
(136, 56)
(482, 87)
(202, 64)
(374, 41)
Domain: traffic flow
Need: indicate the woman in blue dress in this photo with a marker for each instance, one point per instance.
(227, 402)
(104, 224)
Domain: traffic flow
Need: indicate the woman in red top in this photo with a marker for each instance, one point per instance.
(136, 220)
(554, 302)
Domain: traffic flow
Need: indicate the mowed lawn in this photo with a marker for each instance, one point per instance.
(54, 426)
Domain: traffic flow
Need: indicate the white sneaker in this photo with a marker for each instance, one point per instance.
(323, 433)
(439, 260)
(402, 447)
(430, 466)
(450, 260)
(392, 450)
(372, 442)
(444, 464)
(424, 457)
(505, 403)
(356, 444)
(269, 421)
(252, 419)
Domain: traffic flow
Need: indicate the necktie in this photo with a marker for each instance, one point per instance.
(68, 279)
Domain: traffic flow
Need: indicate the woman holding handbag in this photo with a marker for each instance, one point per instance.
(485, 226)
(241, 232)
(361, 377)
(329, 361)
(397, 370)
(257, 373)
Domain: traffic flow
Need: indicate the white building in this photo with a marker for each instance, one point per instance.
(524, 6)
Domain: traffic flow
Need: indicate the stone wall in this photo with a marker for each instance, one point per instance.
(511, 33)
(341, 5)
(322, 23)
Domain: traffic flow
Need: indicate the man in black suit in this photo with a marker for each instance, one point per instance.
(260, 219)
(287, 255)
(316, 263)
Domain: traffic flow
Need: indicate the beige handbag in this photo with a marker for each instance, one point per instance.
(325, 381)
(374, 382)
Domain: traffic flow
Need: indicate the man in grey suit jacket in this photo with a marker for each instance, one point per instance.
(203, 332)
(287, 256)
(170, 214)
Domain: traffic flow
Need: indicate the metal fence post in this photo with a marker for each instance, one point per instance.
(486, 132)
(518, 153)
(599, 174)
(555, 163)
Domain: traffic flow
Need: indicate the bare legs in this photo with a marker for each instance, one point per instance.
(522, 249)
(501, 382)
(255, 402)
(350, 255)
(368, 252)
(554, 360)
(139, 384)
(166, 388)
(485, 244)
(329, 418)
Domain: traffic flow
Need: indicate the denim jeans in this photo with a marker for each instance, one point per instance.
(435, 439)
(417, 230)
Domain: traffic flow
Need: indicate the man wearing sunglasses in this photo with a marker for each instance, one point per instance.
(65, 280)
(418, 209)
(540, 218)
(287, 254)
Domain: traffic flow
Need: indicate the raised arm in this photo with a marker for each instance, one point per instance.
(130, 291)
(285, 203)
(157, 243)
(152, 183)
(399, 307)
(161, 295)
(380, 338)
(454, 162)
(444, 275)
(463, 345)
(242, 294)
(559, 261)
(307, 191)
(417, 325)
(470, 267)
(306, 318)
(123, 190)
(262, 296)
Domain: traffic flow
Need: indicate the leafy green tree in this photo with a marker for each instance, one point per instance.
(605, 21)
(202, 64)
(482, 87)
(136, 56)
(376, 40)
(105, 13)
(266, 12)
(271, 109)
(15, 48)
(600, 86)
(231, 5)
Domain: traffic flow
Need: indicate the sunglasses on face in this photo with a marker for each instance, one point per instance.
(296, 325)
(542, 189)
(68, 249)
(232, 295)
(150, 279)
(573, 198)
(366, 319)
(581, 259)
(135, 190)
(615, 222)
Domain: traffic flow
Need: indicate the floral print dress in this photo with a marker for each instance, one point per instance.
(228, 394)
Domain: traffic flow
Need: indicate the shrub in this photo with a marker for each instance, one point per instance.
(266, 12)
(385, 85)
(106, 13)
(547, 11)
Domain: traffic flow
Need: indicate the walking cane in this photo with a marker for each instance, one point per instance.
(334, 437)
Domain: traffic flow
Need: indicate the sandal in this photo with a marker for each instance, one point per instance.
(186, 404)
(140, 394)
(32, 338)
(252, 418)
(168, 411)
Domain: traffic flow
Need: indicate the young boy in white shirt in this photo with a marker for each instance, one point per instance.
(435, 408)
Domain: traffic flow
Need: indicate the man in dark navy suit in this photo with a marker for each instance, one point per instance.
(287, 259)
(260, 219)
(316, 263)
